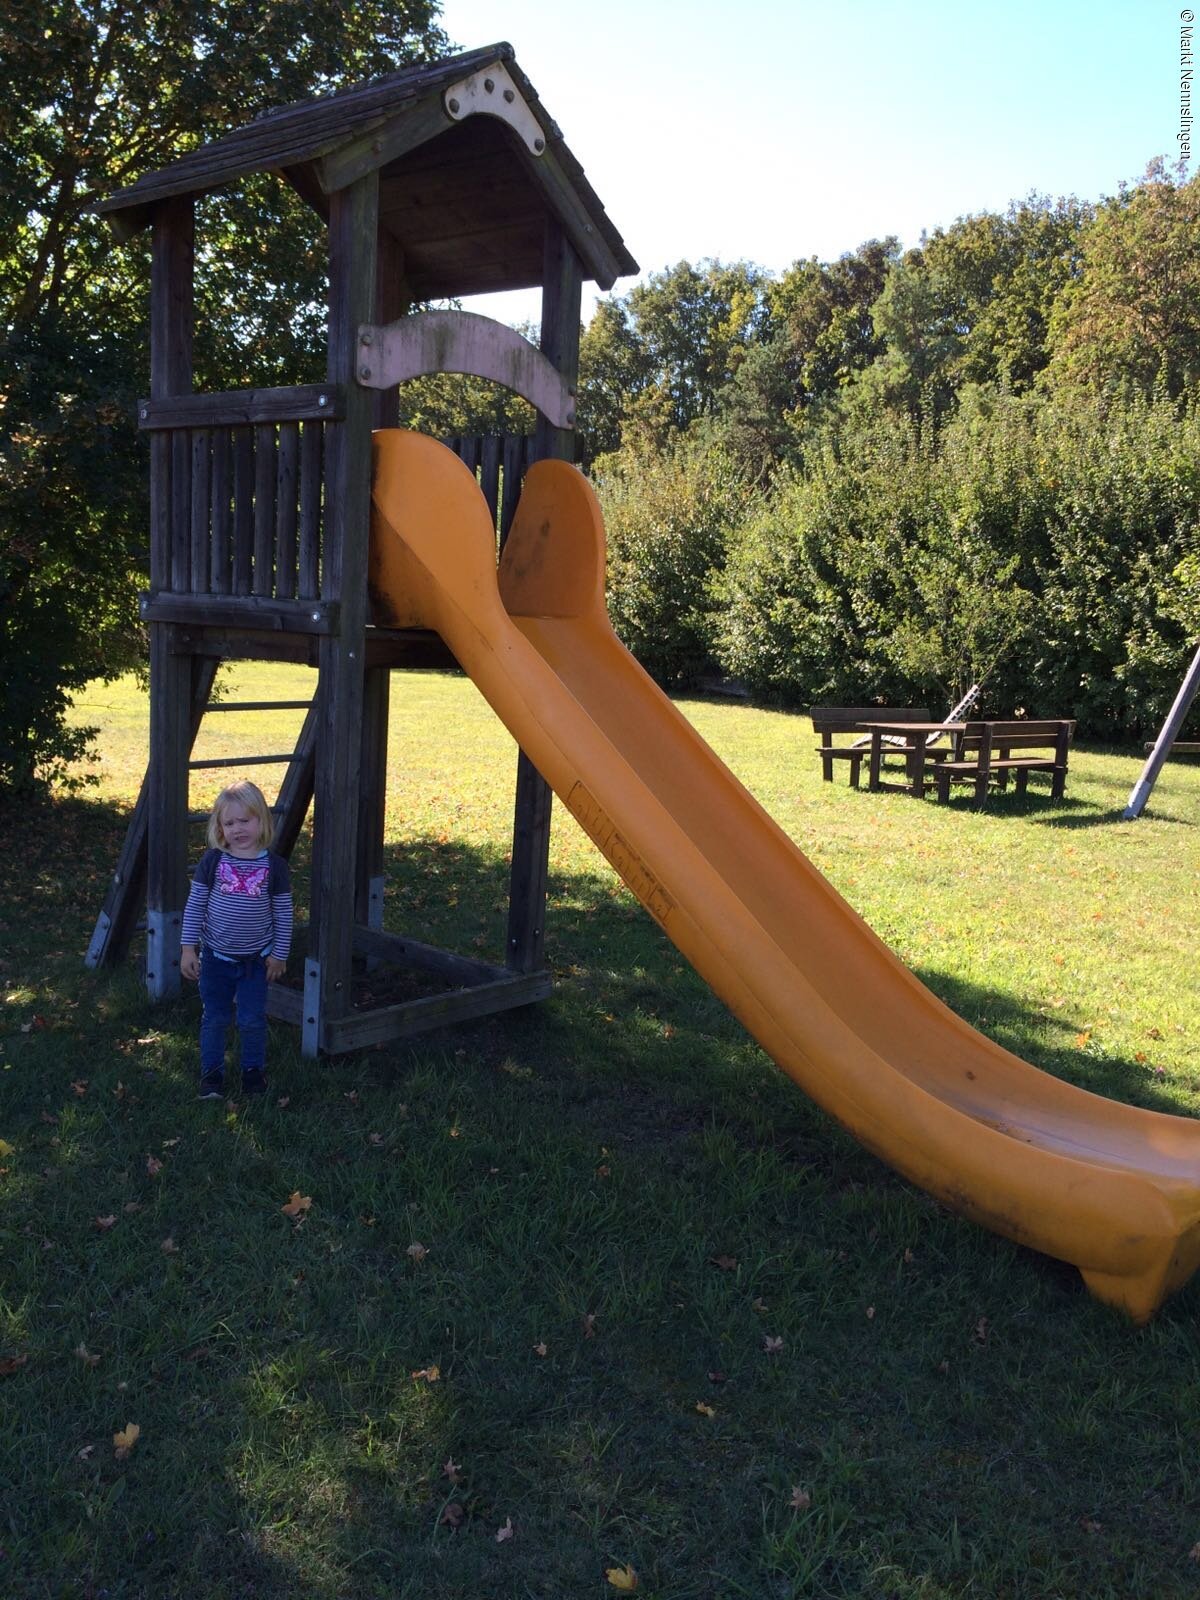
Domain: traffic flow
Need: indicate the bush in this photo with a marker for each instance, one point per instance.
(667, 516)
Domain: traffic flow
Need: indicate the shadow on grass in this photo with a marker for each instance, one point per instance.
(623, 1153)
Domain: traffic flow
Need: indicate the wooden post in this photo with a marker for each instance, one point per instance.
(1166, 738)
(353, 233)
(562, 292)
(391, 301)
(171, 322)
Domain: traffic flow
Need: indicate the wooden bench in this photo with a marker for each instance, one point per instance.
(984, 751)
(830, 720)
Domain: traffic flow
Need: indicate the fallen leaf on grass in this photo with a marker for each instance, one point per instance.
(47, 1116)
(704, 1409)
(454, 1515)
(773, 1344)
(103, 1224)
(124, 1441)
(801, 1499)
(11, 1364)
(375, 1138)
(131, 1206)
(153, 1166)
(1194, 1552)
(982, 1328)
(588, 1325)
(623, 1578)
(430, 1374)
(452, 1469)
(284, 1101)
(1081, 1039)
(6, 1149)
(760, 1306)
(86, 1356)
(297, 1205)
(169, 1247)
(870, 1313)
(541, 1348)
(506, 1532)
(416, 1251)
(85, 1452)
(80, 1086)
(1090, 1525)
(726, 1263)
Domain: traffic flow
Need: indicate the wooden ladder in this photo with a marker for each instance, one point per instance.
(125, 898)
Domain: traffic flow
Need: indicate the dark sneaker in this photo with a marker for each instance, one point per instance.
(212, 1086)
(254, 1083)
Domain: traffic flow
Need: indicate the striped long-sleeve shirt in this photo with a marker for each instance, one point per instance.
(240, 907)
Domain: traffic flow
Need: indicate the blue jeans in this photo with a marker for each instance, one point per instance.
(222, 984)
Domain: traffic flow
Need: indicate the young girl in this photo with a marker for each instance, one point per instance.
(237, 927)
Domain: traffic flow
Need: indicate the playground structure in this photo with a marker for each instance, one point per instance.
(261, 505)
(1167, 741)
(435, 182)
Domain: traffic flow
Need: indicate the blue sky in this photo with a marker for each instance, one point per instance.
(772, 130)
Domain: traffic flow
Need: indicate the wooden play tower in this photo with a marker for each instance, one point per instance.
(435, 182)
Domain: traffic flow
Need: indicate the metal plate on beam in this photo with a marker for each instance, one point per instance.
(494, 93)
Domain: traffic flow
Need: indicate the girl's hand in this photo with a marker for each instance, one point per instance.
(275, 968)
(189, 962)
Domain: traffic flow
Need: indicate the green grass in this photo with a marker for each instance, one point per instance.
(965, 1421)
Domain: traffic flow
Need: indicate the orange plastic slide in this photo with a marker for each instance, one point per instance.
(1111, 1188)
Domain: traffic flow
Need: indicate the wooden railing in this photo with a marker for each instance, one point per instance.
(238, 502)
(238, 491)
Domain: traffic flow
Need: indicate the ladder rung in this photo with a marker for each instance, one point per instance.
(203, 816)
(257, 705)
(241, 761)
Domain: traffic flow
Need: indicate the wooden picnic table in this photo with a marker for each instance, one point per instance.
(915, 737)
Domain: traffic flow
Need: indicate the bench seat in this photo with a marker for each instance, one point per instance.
(830, 720)
(983, 754)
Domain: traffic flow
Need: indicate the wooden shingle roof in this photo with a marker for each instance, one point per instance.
(465, 195)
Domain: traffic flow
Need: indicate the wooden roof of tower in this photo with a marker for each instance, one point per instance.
(465, 195)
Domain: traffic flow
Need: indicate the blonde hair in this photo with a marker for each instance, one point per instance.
(251, 798)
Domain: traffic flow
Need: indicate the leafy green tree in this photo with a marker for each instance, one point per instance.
(97, 92)
(1133, 313)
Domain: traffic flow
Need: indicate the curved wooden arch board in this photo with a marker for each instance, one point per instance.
(463, 341)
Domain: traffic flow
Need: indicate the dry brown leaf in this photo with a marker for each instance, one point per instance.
(541, 1348)
(85, 1452)
(86, 1356)
(506, 1532)
(153, 1166)
(801, 1499)
(1194, 1552)
(982, 1328)
(80, 1086)
(103, 1224)
(452, 1469)
(726, 1263)
(870, 1313)
(416, 1251)
(431, 1374)
(454, 1515)
(169, 1247)
(124, 1441)
(704, 1409)
(773, 1344)
(297, 1205)
(623, 1578)
(11, 1364)
(588, 1324)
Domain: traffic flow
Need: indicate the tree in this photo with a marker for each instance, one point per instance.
(96, 92)
(1133, 314)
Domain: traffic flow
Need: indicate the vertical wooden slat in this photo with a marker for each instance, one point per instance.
(312, 440)
(286, 485)
(201, 497)
(489, 473)
(243, 509)
(391, 302)
(353, 240)
(263, 577)
(219, 574)
(513, 465)
(467, 450)
(562, 293)
(181, 511)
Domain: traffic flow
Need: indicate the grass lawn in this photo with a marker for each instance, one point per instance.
(590, 1287)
